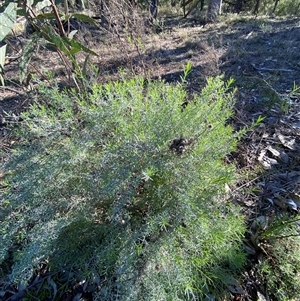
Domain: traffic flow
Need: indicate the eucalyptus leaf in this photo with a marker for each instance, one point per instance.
(84, 18)
(28, 52)
(50, 35)
(76, 45)
(7, 20)
(42, 4)
(46, 16)
(2, 61)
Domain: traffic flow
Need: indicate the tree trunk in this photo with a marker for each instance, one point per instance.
(275, 6)
(201, 4)
(238, 6)
(153, 9)
(255, 11)
(103, 10)
(213, 10)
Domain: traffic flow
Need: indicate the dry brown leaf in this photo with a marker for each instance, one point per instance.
(270, 201)
(249, 250)
(287, 141)
(280, 202)
(261, 297)
(260, 222)
(289, 176)
(284, 157)
(234, 286)
(266, 162)
(279, 154)
(295, 195)
(296, 125)
(274, 151)
(285, 203)
(297, 202)
(228, 191)
(291, 204)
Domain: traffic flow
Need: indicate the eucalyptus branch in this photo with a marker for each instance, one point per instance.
(284, 236)
(40, 73)
(59, 23)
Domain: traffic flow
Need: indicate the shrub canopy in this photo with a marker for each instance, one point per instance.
(126, 186)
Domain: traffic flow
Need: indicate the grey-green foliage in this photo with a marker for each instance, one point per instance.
(94, 185)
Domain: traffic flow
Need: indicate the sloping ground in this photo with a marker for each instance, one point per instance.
(263, 57)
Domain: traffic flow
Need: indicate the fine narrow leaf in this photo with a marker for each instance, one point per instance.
(48, 16)
(84, 18)
(84, 68)
(62, 44)
(78, 46)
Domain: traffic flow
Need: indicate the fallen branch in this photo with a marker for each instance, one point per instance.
(270, 69)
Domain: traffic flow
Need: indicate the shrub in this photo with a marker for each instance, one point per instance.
(126, 187)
